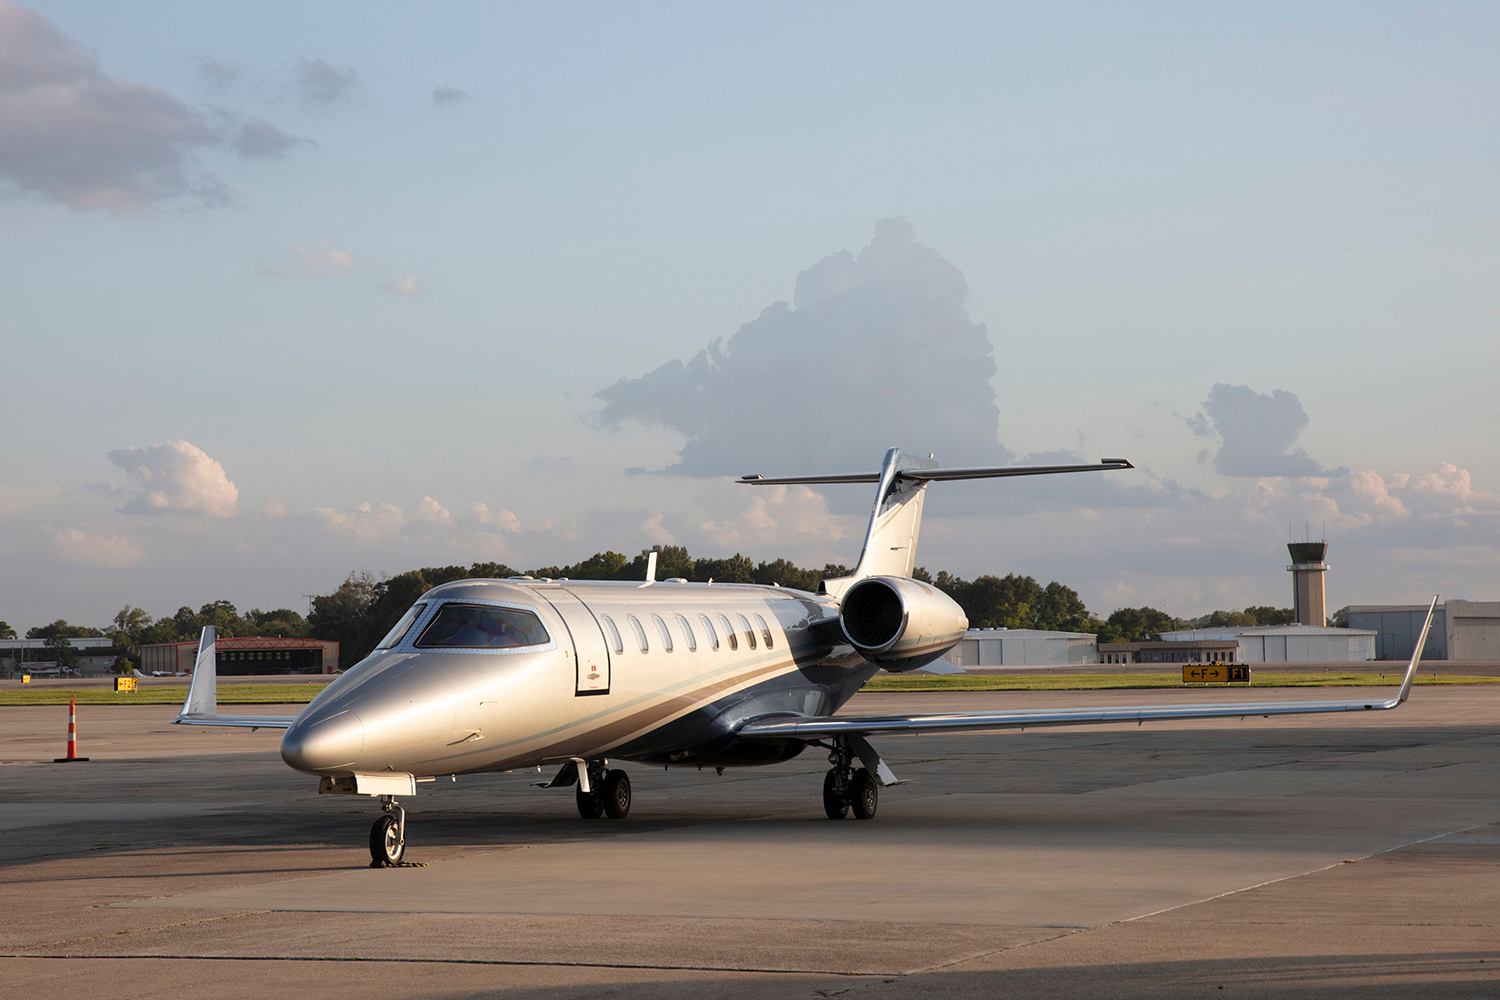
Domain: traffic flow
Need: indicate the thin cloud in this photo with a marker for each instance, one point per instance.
(367, 523)
(444, 96)
(107, 551)
(311, 260)
(257, 139)
(219, 74)
(409, 284)
(320, 84)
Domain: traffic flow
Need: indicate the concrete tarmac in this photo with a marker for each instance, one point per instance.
(1328, 856)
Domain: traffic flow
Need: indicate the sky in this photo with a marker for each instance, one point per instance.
(289, 291)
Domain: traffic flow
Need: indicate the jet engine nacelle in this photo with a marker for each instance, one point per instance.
(900, 623)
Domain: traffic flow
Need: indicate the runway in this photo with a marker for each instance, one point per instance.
(1330, 857)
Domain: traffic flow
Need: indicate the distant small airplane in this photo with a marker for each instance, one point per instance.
(501, 675)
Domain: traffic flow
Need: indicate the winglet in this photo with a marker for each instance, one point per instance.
(203, 691)
(1416, 654)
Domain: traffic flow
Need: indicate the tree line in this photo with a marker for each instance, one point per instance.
(359, 612)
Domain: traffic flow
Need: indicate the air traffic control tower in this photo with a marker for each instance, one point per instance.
(1309, 603)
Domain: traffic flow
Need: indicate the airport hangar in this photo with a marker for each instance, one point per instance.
(251, 654)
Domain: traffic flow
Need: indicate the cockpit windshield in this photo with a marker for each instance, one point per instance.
(478, 626)
(400, 629)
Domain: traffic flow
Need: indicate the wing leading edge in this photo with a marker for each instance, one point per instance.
(808, 728)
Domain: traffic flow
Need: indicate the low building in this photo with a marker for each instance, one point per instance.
(251, 654)
(1461, 630)
(1286, 643)
(1200, 651)
(1011, 647)
(96, 656)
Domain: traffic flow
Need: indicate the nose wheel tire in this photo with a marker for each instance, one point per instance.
(617, 794)
(589, 804)
(835, 795)
(386, 846)
(865, 797)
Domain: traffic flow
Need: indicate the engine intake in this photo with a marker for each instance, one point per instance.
(900, 623)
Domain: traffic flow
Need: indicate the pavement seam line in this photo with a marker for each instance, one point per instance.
(148, 930)
(457, 961)
(1288, 878)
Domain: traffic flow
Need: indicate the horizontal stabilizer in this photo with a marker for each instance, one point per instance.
(942, 475)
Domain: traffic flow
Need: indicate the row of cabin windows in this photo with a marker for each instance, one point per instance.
(689, 636)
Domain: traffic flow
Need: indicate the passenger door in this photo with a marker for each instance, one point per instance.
(590, 652)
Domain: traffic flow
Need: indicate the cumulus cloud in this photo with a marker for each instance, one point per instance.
(407, 285)
(108, 551)
(319, 84)
(882, 343)
(366, 524)
(177, 476)
(444, 96)
(1257, 432)
(432, 512)
(275, 507)
(219, 74)
(501, 520)
(771, 516)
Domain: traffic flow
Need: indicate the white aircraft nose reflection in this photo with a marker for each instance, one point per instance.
(321, 742)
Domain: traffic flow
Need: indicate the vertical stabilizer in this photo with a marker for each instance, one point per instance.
(895, 521)
(203, 691)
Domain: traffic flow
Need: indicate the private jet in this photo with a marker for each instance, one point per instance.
(504, 675)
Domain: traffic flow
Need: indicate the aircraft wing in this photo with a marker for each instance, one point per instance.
(941, 475)
(811, 728)
(201, 707)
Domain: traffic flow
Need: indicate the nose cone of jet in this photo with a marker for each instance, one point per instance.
(324, 743)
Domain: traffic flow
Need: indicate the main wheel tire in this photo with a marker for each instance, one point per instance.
(386, 846)
(866, 795)
(617, 794)
(589, 806)
(835, 798)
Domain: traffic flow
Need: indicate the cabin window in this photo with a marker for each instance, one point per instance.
(666, 637)
(765, 633)
(614, 633)
(640, 633)
(480, 626)
(729, 633)
(687, 633)
(399, 630)
(749, 634)
(708, 630)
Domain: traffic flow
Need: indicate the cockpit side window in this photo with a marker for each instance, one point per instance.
(481, 626)
(399, 630)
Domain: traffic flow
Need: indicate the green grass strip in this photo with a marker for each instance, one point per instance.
(229, 694)
(1101, 682)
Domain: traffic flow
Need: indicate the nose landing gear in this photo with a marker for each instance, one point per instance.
(388, 835)
(845, 788)
(603, 792)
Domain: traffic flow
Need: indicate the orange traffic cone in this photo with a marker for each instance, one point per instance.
(72, 734)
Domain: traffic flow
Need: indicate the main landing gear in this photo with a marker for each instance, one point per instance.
(844, 788)
(608, 792)
(388, 835)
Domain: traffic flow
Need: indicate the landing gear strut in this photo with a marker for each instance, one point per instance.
(388, 835)
(608, 794)
(845, 788)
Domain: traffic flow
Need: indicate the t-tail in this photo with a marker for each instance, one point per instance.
(892, 619)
